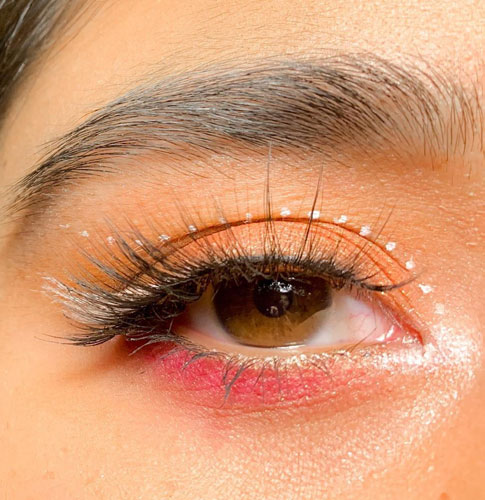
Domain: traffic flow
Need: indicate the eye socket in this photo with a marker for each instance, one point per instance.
(286, 312)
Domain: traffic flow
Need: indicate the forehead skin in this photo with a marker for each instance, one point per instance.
(114, 46)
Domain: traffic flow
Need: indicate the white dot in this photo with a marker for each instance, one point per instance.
(341, 220)
(164, 237)
(426, 288)
(222, 220)
(390, 246)
(85, 234)
(410, 264)
(365, 231)
(110, 240)
(248, 217)
(285, 212)
(440, 309)
(139, 242)
(192, 228)
(64, 226)
(314, 214)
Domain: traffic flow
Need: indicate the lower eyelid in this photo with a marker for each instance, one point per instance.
(218, 380)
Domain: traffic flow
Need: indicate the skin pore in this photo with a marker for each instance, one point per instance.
(93, 422)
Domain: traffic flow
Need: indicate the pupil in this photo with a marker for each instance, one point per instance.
(273, 298)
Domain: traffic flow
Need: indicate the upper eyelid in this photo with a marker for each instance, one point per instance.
(164, 249)
(133, 268)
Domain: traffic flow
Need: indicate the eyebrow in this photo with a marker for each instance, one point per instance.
(359, 103)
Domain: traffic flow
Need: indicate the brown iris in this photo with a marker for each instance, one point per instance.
(270, 312)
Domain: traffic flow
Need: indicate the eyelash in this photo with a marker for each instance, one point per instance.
(151, 283)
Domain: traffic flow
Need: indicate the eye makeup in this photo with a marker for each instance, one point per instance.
(141, 286)
(219, 380)
(143, 265)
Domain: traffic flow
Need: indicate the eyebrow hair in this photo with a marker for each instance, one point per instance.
(359, 103)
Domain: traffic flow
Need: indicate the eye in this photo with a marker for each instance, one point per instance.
(286, 312)
(224, 310)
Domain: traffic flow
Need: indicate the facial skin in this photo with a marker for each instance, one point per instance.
(96, 423)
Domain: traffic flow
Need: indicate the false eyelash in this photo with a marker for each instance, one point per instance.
(146, 287)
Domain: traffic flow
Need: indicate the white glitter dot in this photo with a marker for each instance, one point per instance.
(285, 212)
(341, 220)
(426, 288)
(64, 226)
(139, 242)
(85, 234)
(365, 231)
(410, 264)
(248, 217)
(192, 228)
(314, 214)
(222, 220)
(439, 309)
(390, 246)
(164, 237)
(110, 240)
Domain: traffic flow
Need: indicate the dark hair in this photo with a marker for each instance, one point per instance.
(25, 26)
